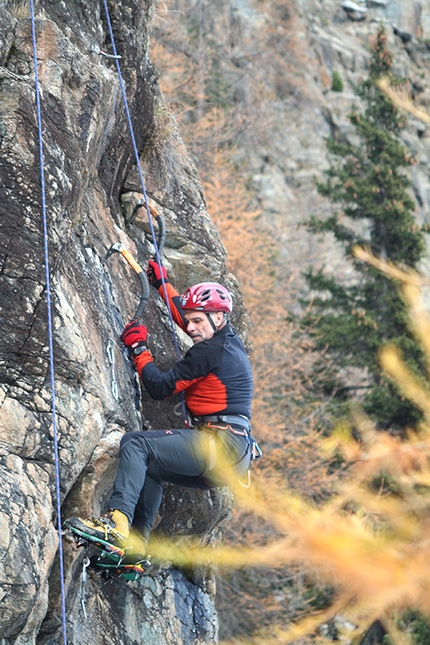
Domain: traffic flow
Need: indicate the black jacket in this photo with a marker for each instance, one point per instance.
(214, 374)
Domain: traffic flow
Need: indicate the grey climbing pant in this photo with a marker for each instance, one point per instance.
(149, 458)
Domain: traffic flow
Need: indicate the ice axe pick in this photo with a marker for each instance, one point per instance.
(141, 274)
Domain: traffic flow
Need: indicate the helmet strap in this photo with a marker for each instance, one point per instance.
(209, 317)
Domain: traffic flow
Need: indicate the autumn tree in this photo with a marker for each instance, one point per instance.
(368, 185)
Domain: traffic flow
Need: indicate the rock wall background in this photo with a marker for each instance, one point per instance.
(303, 110)
(270, 65)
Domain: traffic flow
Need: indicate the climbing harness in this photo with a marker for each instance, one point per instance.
(213, 424)
(50, 327)
(236, 420)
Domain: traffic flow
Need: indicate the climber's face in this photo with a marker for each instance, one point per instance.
(199, 326)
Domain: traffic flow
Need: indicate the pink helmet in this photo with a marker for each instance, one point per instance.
(207, 296)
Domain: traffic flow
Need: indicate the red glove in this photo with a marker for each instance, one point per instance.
(134, 337)
(154, 274)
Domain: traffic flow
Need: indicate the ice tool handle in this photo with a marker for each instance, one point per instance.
(141, 274)
(158, 218)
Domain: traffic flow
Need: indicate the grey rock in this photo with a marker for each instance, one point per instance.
(405, 36)
(348, 5)
(354, 10)
(89, 170)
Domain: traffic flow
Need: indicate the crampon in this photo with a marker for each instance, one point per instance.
(109, 560)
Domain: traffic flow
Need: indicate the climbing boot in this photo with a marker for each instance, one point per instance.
(110, 530)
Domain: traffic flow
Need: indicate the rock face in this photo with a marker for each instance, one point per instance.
(89, 191)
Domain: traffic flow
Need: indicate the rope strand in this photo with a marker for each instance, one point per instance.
(142, 183)
(50, 333)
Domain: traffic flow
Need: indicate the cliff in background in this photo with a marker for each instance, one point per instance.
(322, 39)
(269, 66)
(89, 184)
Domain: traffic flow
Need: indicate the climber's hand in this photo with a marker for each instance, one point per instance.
(154, 274)
(134, 337)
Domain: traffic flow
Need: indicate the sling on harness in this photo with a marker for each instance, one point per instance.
(239, 420)
(213, 425)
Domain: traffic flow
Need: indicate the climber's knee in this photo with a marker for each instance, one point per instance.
(132, 436)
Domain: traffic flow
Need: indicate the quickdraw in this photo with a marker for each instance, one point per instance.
(96, 50)
(85, 565)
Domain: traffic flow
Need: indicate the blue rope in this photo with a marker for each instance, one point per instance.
(50, 334)
(142, 183)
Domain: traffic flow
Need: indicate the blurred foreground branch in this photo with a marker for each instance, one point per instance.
(371, 540)
(402, 100)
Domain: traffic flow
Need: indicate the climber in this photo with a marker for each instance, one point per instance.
(215, 375)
